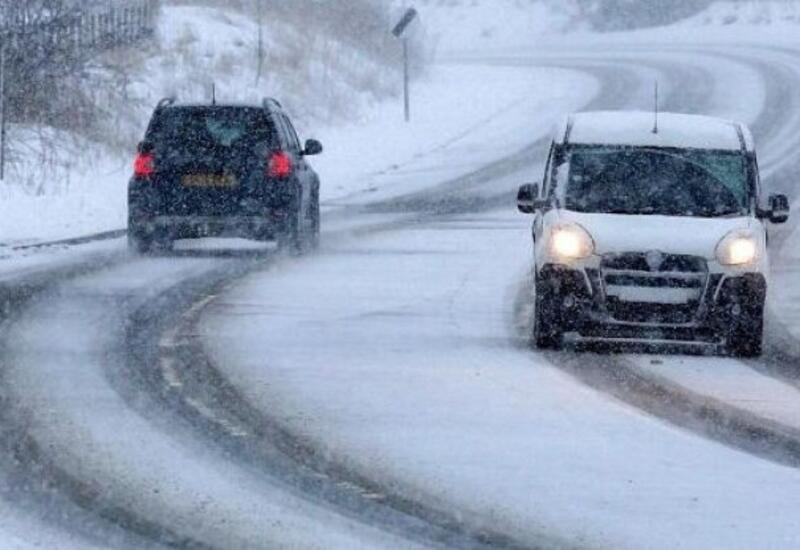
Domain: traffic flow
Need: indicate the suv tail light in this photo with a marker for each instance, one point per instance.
(280, 165)
(143, 166)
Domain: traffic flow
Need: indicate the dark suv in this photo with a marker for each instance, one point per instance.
(223, 170)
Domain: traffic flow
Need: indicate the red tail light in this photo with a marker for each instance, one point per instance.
(280, 165)
(143, 166)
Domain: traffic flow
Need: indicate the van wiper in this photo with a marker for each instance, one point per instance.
(643, 212)
(718, 213)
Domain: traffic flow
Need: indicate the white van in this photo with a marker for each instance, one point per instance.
(651, 229)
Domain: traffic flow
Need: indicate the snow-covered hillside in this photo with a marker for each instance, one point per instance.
(456, 25)
(66, 183)
(761, 12)
(334, 90)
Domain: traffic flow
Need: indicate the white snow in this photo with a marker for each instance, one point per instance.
(730, 382)
(412, 372)
(673, 130)
(464, 117)
(19, 531)
(398, 351)
(158, 471)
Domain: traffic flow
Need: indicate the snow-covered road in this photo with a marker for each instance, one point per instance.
(379, 393)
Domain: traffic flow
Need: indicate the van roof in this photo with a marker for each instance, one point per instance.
(634, 128)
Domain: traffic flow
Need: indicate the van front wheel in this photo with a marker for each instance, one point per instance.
(547, 330)
(746, 334)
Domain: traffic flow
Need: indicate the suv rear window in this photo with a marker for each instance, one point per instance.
(198, 130)
(657, 181)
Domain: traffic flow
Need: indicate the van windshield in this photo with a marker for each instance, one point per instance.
(647, 181)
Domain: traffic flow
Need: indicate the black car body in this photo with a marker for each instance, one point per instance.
(223, 170)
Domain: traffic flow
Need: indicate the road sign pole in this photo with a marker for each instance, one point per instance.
(399, 31)
(406, 81)
(3, 108)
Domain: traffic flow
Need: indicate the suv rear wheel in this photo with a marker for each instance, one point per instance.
(314, 215)
(290, 239)
(142, 241)
(139, 243)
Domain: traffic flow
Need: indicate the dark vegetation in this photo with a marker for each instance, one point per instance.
(49, 45)
(612, 15)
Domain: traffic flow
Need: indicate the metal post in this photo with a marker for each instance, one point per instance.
(406, 81)
(399, 31)
(260, 53)
(3, 109)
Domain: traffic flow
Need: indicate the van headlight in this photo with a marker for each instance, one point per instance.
(571, 242)
(738, 248)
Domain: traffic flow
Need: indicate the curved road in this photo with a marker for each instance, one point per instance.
(128, 432)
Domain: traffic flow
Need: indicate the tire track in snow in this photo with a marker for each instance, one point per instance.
(480, 179)
(718, 418)
(246, 431)
(225, 422)
(189, 383)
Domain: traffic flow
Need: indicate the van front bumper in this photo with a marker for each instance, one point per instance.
(669, 308)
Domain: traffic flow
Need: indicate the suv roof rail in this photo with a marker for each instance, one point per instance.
(166, 102)
(271, 102)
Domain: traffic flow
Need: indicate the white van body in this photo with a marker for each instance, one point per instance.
(651, 230)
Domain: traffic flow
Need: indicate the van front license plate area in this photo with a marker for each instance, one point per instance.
(225, 181)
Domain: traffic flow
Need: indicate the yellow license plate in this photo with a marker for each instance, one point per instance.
(210, 180)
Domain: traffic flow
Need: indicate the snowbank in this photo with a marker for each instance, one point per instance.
(471, 24)
(762, 12)
(464, 117)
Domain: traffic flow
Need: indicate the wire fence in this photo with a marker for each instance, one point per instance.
(77, 28)
(45, 48)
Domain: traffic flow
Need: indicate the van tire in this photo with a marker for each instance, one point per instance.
(547, 331)
(746, 335)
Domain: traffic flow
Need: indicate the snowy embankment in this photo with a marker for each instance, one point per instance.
(481, 111)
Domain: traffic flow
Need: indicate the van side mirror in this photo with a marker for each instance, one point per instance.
(313, 147)
(528, 198)
(779, 209)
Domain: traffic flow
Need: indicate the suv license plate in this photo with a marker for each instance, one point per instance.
(210, 180)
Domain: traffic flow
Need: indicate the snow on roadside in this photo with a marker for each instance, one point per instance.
(481, 112)
(18, 532)
(145, 462)
(89, 198)
(761, 12)
(414, 378)
(464, 117)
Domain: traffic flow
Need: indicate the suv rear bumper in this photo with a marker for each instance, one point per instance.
(586, 309)
(189, 227)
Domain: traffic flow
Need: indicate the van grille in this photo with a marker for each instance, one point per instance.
(653, 288)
